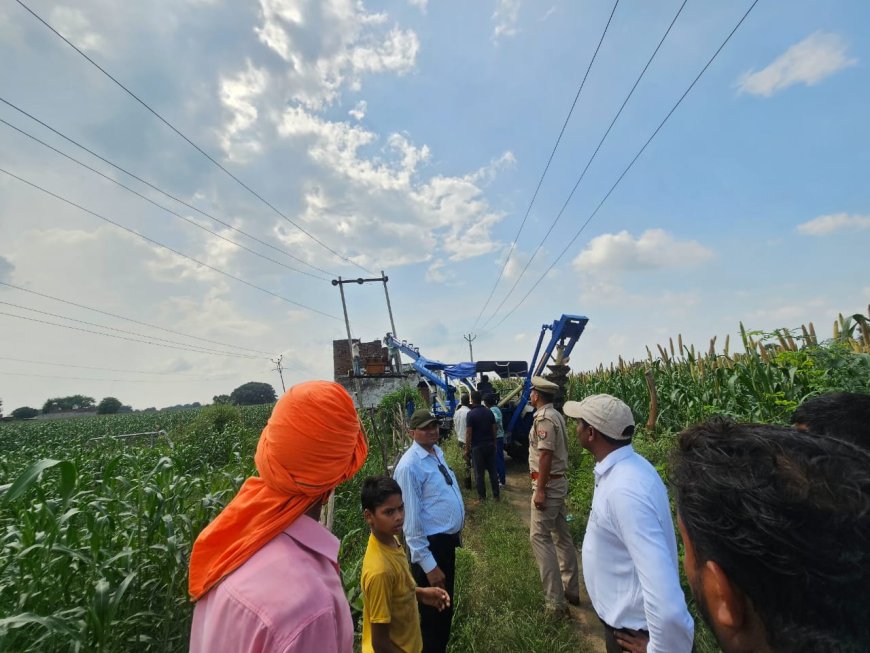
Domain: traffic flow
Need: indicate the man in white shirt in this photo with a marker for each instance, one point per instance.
(459, 416)
(630, 548)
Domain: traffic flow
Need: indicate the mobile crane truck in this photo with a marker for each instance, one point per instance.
(517, 415)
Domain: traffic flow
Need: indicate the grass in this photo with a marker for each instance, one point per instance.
(499, 600)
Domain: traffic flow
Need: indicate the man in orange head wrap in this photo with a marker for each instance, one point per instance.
(265, 573)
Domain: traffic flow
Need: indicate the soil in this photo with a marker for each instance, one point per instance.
(518, 493)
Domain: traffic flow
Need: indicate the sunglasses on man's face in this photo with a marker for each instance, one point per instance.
(445, 473)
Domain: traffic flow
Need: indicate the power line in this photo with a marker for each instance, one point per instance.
(546, 167)
(78, 378)
(628, 167)
(174, 251)
(107, 369)
(157, 188)
(110, 335)
(588, 163)
(159, 206)
(128, 319)
(190, 142)
(131, 333)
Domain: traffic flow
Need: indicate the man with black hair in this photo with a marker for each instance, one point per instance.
(480, 446)
(548, 465)
(630, 548)
(485, 387)
(776, 527)
(434, 516)
(843, 415)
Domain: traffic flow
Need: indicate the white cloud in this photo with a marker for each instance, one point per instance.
(330, 45)
(420, 4)
(828, 224)
(450, 212)
(654, 249)
(335, 146)
(808, 62)
(505, 19)
(359, 111)
(436, 272)
(239, 94)
(549, 12)
(73, 24)
(6, 269)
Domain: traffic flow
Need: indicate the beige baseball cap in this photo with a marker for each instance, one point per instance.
(606, 413)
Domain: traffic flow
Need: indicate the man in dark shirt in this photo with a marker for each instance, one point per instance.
(485, 387)
(480, 443)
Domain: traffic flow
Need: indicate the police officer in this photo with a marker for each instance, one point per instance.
(548, 463)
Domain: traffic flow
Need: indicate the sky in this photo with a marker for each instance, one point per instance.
(327, 138)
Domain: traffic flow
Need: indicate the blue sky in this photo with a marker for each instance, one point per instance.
(410, 136)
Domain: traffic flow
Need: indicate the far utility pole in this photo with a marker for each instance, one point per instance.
(470, 338)
(280, 369)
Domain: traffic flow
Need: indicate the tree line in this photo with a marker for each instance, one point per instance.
(247, 394)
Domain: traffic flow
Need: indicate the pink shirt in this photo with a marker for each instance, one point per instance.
(287, 598)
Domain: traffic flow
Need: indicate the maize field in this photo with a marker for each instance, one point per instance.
(95, 530)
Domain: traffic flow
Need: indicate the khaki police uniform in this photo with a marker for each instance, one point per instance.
(549, 533)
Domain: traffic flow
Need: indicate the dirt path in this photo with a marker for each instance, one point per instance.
(518, 494)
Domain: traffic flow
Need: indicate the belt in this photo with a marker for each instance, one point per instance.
(534, 475)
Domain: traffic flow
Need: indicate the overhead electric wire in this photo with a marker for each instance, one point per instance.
(131, 333)
(160, 190)
(79, 378)
(159, 206)
(588, 163)
(108, 369)
(189, 141)
(167, 247)
(546, 167)
(111, 335)
(128, 319)
(629, 166)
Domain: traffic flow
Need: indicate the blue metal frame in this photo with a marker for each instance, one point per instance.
(565, 331)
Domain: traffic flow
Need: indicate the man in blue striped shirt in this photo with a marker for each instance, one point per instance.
(434, 515)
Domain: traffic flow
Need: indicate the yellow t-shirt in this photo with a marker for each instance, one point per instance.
(389, 595)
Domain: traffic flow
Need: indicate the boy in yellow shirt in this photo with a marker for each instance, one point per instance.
(391, 621)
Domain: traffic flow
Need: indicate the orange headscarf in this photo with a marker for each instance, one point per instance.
(312, 443)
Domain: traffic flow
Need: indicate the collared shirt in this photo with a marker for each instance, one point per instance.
(549, 433)
(432, 505)
(459, 422)
(630, 554)
(286, 598)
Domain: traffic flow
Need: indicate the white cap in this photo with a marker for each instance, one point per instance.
(606, 413)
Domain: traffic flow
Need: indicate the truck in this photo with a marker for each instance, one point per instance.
(517, 414)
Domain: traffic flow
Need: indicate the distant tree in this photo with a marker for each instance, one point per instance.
(221, 399)
(125, 409)
(253, 393)
(1, 409)
(73, 402)
(109, 406)
(25, 412)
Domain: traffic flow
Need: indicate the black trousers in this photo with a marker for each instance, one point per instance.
(610, 637)
(434, 625)
(483, 457)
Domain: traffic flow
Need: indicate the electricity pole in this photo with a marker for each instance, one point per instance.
(470, 338)
(280, 369)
